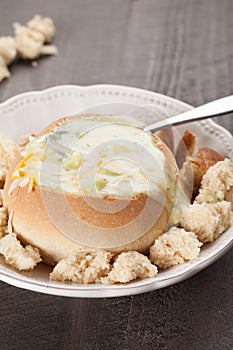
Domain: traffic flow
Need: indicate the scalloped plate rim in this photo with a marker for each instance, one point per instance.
(98, 291)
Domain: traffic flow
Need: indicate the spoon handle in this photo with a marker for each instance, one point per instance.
(208, 110)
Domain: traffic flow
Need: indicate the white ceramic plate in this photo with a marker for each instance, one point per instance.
(32, 111)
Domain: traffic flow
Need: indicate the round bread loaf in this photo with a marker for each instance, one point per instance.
(116, 188)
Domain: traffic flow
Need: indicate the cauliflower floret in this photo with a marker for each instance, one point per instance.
(174, 247)
(19, 257)
(8, 150)
(44, 25)
(217, 184)
(7, 55)
(207, 220)
(128, 267)
(82, 267)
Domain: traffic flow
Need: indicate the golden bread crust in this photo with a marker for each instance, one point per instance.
(199, 164)
(167, 137)
(186, 147)
(32, 222)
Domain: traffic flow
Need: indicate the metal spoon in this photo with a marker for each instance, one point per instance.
(212, 109)
(52, 140)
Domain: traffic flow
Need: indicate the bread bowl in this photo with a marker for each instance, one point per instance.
(117, 189)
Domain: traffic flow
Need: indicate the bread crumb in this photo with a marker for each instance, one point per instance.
(44, 25)
(128, 267)
(7, 49)
(7, 55)
(8, 151)
(30, 39)
(35, 64)
(207, 220)
(82, 267)
(174, 247)
(4, 71)
(217, 184)
(28, 43)
(49, 50)
(19, 257)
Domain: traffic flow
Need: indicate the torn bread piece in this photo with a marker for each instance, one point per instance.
(3, 217)
(217, 184)
(4, 71)
(30, 39)
(1, 197)
(174, 247)
(3, 221)
(128, 267)
(207, 220)
(7, 49)
(7, 55)
(44, 25)
(82, 267)
(187, 146)
(194, 168)
(30, 43)
(8, 151)
(166, 135)
(19, 257)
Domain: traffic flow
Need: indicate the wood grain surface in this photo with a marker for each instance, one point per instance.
(182, 48)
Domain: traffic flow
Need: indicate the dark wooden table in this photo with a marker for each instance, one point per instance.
(182, 48)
